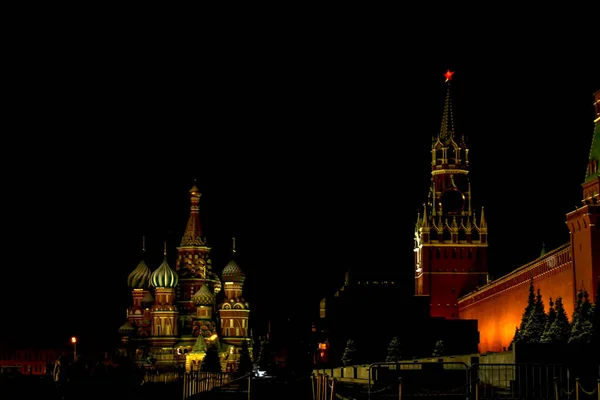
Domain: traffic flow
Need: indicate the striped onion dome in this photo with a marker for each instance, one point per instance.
(139, 278)
(233, 273)
(203, 297)
(164, 276)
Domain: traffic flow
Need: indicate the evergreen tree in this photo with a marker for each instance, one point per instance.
(394, 350)
(596, 317)
(438, 349)
(582, 328)
(575, 323)
(211, 361)
(349, 353)
(546, 337)
(245, 361)
(515, 338)
(266, 355)
(560, 328)
(525, 318)
(534, 328)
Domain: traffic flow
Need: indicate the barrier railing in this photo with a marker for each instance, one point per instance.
(196, 381)
(561, 392)
(458, 381)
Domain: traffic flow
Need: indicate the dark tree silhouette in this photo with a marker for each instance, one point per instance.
(515, 338)
(582, 329)
(534, 328)
(349, 353)
(596, 317)
(546, 338)
(525, 318)
(245, 361)
(438, 349)
(211, 361)
(266, 355)
(560, 328)
(394, 350)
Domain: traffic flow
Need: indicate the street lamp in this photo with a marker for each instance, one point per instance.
(74, 341)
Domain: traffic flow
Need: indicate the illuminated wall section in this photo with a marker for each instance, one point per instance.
(498, 306)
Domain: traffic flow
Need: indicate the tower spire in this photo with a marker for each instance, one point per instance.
(447, 128)
(591, 183)
(193, 231)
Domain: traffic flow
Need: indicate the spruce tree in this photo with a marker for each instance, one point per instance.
(438, 349)
(394, 350)
(575, 323)
(525, 318)
(546, 337)
(534, 328)
(515, 338)
(582, 328)
(349, 353)
(266, 355)
(560, 329)
(245, 361)
(596, 317)
(211, 361)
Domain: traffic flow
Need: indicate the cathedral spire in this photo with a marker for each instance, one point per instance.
(193, 231)
(482, 223)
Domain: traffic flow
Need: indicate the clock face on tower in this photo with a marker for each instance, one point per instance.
(453, 201)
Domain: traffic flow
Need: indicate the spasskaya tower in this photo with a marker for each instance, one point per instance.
(450, 249)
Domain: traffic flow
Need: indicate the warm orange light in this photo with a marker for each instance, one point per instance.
(213, 337)
(73, 339)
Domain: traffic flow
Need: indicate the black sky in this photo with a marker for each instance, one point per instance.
(314, 154)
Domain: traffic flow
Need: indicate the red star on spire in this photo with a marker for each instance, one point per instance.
(448, 75)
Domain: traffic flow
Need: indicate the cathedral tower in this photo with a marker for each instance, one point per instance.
(234, 311)
(164, 311)
(583, 222)
(194, 268)
(450, 249)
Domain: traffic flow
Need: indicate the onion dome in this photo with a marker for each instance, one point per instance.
(164, 276)
(233, 273)
(126, 329)
(203, 297)
(139, 278)
(147, 300)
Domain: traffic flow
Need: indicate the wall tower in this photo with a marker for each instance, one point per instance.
(583, 222)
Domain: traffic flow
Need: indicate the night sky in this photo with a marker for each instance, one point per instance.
(315, 157)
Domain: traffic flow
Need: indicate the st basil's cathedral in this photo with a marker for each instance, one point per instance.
(175, 313)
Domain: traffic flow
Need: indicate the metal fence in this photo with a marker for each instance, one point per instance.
(457, 380)
(196, 382)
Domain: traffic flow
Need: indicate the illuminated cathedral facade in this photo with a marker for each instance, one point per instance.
(177, 312)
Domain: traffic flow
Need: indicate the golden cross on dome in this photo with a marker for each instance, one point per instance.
(448, 75)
